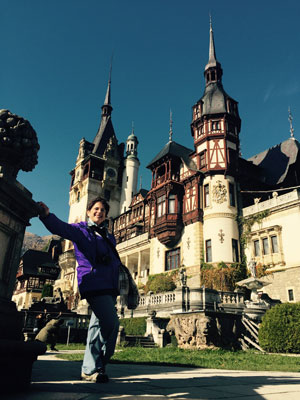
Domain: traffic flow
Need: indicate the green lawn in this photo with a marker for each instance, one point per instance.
(216, 358)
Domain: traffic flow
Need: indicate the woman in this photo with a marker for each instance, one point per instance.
(97, 274)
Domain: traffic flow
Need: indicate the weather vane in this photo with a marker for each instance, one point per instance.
(291, 123)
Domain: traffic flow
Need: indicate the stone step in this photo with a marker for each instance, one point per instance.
(142, 341)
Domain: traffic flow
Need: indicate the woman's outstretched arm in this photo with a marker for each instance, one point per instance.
(56, 226)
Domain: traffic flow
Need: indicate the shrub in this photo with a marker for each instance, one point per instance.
(280, 329)
(160, 283)
(261, 270)
(222, 277)
(47, 290)
(134, 326)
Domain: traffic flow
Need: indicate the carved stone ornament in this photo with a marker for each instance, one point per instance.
(18, 144)
(219, 193)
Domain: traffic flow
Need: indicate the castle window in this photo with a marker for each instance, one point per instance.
(172, 259)
(78, 197)
(291, 295)
(86, 170)
(208, 252)
(231, 195)
(202, 159)
(206, 195)
(235, 250)
(256, 248)
(274, 243)
(213, 75)
(161, 206)
(216, 125)
(171, 204)
(265, 244)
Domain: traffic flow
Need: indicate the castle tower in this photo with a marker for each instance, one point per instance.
(215, 128)
(130, 173)
(99, 167)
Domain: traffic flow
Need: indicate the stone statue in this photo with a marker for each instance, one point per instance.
(252, 267)
(183, 277)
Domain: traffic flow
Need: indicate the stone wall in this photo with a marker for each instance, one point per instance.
(282, 282)
(206, 329)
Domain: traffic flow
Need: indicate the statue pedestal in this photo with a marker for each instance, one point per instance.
(16, 356)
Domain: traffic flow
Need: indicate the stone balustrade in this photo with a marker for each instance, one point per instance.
(185, 299)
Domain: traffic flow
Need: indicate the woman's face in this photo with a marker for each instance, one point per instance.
(97, 213)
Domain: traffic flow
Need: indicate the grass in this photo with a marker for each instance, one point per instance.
(71, 346)
(208, 358)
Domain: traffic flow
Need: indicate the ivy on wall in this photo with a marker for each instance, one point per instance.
(246, 223)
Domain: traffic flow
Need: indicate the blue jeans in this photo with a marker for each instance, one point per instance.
(102, 333)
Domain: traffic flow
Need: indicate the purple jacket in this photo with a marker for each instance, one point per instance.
(98, 266)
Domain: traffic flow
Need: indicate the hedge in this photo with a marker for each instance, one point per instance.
(280, 329)
(160, 283)
(134, 326)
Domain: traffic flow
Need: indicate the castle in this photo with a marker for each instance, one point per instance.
(191, 215)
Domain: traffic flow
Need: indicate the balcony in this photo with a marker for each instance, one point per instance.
(168, 229)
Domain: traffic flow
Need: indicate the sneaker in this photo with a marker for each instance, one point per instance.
(89, 378)
(102, 377)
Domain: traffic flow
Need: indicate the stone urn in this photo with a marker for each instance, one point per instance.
(255, 308)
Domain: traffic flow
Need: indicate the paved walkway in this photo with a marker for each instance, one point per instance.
(55, 379)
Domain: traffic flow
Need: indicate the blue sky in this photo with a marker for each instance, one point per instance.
(55, 58)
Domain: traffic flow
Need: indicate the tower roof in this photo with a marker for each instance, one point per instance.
(106, 129)
(172, 149)
(214, 99)
(278, 161)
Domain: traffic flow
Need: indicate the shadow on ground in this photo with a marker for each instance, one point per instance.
(60, 380)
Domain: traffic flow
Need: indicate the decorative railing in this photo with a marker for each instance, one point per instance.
(231, 298)
(186, 299)
(273, 202)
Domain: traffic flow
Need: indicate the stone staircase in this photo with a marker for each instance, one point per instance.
(143, 341)
(249, 338)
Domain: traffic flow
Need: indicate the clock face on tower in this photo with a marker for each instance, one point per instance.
(111, 173)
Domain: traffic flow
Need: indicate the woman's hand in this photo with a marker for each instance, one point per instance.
(43, 209)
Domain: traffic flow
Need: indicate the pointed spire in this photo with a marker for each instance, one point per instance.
(107, 101)
(171, 127)
(213, 71)
(291, 123)
(212, 59)
(107, 108)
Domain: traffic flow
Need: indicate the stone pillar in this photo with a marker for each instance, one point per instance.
(18, 150)
(139, 265)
